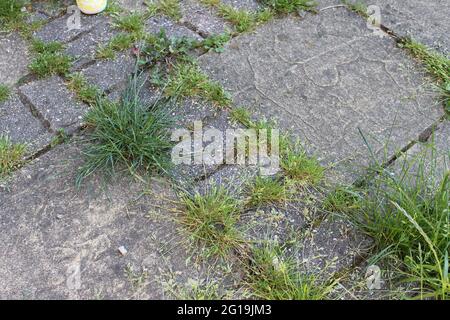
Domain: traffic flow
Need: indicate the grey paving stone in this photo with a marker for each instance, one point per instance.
(249, 5)
(83, 49)
(17, 122)
(110, 74)
(58, 30)
(51, 8)
(54, 104)
(323, 78)
(62, 243)
(14, 58)
(202, 19)
(132, 5)
(425, 21)
(172, 30)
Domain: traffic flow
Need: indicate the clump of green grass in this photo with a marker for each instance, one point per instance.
(113, 8)
(289, 6)
(132, 23)
(407, 215)
(298, 166)
(359, 7)
(435, 63)
(5, 92)
(187, 80)
(159, 49)
(10, 11)
(211, 220)
(119, 42)
(10, 155)
(84, 91)
(129, 134)
(170, 8)
(266, 190)
(199, 290)
(215, 42)
(343, 199)
(242, 20)
(49, 59)
(271, 275)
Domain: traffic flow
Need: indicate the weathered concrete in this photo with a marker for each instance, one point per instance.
(52, 232)
(14, 58)
(249, 5)
(323, 78)
(17, 122)
(172, 30)
(425, 21)
(54, 104)
(132, 5)
(51, 8)
(202, 19)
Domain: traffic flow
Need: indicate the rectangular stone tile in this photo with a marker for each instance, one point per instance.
(17, 122)
(326, 78)
(425, 21)
(202, 19)
(62, 243)
(132, 5)
(249, 5)
(58, 29)
(14, 58)
(110, 74)
(54, 104)
(84, 48)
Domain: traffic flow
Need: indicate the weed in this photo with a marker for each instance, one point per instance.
(265, 190)
(407, 215)
(199, 290)
(289, 6)
(297, 165)
(359, 7)
(186, 79)
(10, 13)
(211, 220)
(49, 59)
(129, 133)
(243, 20)
(84, 91)
(137, 279)
(343, 199)
(10, 155)
(119, 42)
(61, 137)
(132, 23)
(170, 8)
(216, 42)
(273, 276)
(5, 92)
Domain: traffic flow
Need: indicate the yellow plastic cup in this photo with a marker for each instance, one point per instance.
(92, 6)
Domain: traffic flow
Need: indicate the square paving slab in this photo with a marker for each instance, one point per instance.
(329, 81)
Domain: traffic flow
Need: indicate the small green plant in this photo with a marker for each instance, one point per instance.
(435, 63)
(132, 23)
(407, 215)
(129, 134)
(199, 290)
(242, 20)
(49, 59)
(186, 79)
(289, 6)
(113, 8)
(359, 7)
(84, 91)
(137, 279)
(119, 42)
(343, 199)
(298, 166)
(271, 275)
(10, 12)
(5, 92)
(211, 220)
(10, 155)
(60, 137)
(216, 42)
(170, 8)
(265, 190)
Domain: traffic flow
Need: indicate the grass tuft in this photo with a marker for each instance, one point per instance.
(211, 220)
(10, 155)
(273, 276)
(266, 190)
(215, 42)
(289, 6)
(49, 59)
(129, 134)
(298, 166)
(84, 91)
(5, 92)
(132, 23)
(170, 8)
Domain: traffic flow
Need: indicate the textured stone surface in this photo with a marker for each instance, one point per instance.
(51, 8)
(322, 78)
(109, 74)
(54, 104)
(83, 49)
(17, 122)
(58, 30)
(425, 21)
(132, 5)
(249, 5)
(51, 232)
(202, 19)
(14, 58)
(172, 30)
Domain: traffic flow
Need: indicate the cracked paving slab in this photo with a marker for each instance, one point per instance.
(61, 242)
(424, 21)
(14, 58)
(54, 104)
(324, 78)
(17, 122)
